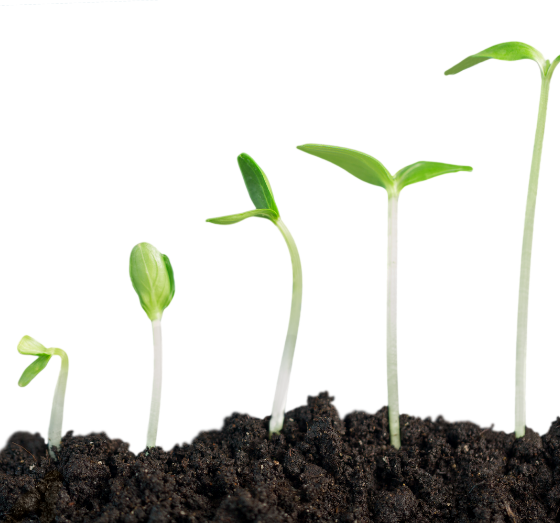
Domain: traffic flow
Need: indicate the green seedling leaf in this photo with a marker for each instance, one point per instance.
(32, 347)
(553, 66)
(235, 218)
(257, 183)
(152, 278)
(171, 278)
(361, 165)
(37, 366)
(509, 51)
(420, 171)
(259, 190)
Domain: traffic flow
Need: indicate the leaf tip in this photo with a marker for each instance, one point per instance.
(216, 221)
(244, 158)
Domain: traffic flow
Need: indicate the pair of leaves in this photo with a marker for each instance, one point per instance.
(152, 278)
(510, 51)
(361, 165)
(259, 191)
(32, 347)
(372, 171)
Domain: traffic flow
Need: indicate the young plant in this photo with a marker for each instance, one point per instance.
(31, 347)
(260, 193)
(152, 278)
(512, 51)
(370, 170)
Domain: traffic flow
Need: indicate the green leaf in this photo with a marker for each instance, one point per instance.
(509, 51)
(257, 183)
(235, 218)
(361, 165)
(420, 171)
(37, 366)
(171, 278)
(32, 347)
(152, 278)
(553, 66)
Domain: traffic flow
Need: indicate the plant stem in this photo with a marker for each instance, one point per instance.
(156, 387)
(281, 395)
(523, 304)
(392, 376)
(57, 412)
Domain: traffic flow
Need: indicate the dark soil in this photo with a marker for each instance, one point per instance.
(321, 469)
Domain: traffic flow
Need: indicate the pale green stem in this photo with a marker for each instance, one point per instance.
(392, 375)
(156, 386)
(57, 412)
(281, 396)
(523, 304)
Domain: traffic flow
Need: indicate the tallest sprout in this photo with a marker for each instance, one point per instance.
(370, 170)
(512, 51)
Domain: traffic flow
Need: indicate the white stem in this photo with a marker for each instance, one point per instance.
(523, 304)
(281, 395)
(57, 412)
(392, 376)
(156, 387)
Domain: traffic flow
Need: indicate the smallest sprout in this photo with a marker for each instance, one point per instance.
(30, 347)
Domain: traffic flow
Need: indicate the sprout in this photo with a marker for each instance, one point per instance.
(512, 51)
(31, 347)
(152, 279)
(369, 170)
(260, 193)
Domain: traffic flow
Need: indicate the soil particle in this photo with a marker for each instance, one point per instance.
(319, 469)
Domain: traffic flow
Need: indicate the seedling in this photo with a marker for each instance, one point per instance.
(31, 347)
(512, 51)
(152, 278)
(260, 193)
(370, 170)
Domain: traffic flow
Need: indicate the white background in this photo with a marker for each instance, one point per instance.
(120, 122)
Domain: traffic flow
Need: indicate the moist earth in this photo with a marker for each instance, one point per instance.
(319, 469)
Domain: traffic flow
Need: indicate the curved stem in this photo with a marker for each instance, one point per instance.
(281, 395)
(156, 386)
(57, 412)
(392, 375)
(523, 304)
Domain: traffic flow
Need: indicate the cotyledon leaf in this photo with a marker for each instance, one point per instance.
(361, 165)
(420, 171)
(257, 183)
(235, 218)
(509, 51)
(31, 346)
(37, 366)
(553, 66)
(152, 277)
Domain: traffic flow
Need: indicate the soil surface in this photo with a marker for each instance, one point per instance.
(320, 469)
